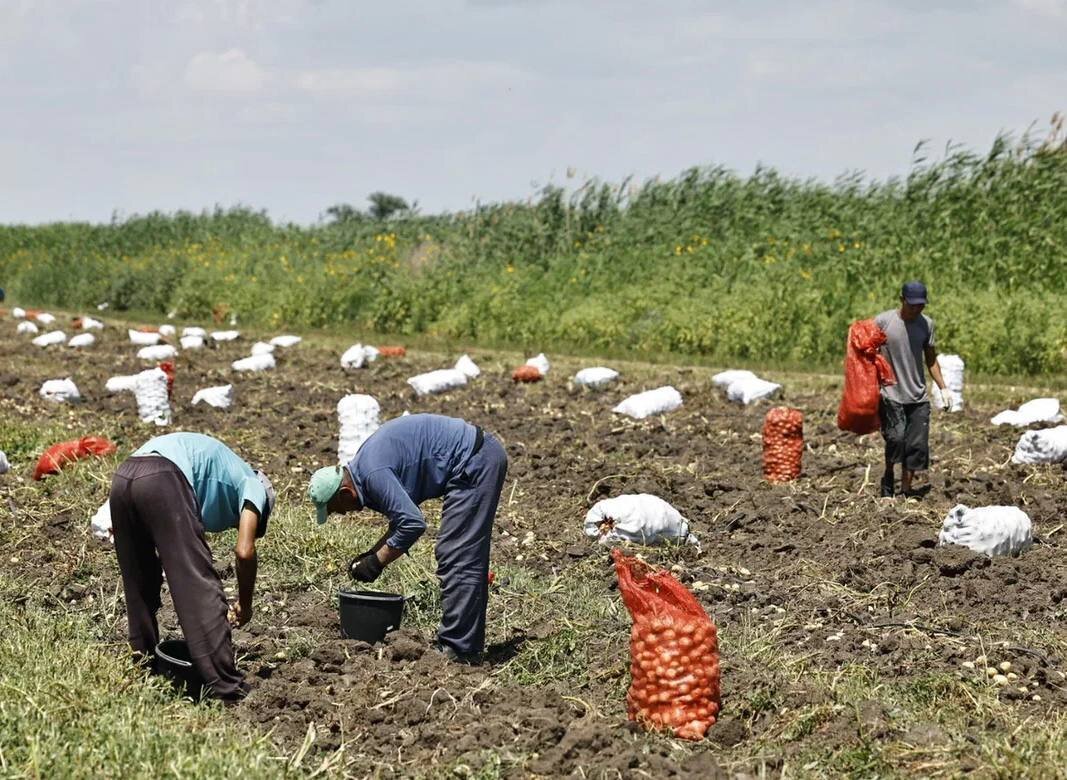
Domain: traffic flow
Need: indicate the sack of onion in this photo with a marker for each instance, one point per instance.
(783, 444)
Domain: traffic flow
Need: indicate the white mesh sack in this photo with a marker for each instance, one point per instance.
(120, 384)
(254, 363)
(1035, 411)
(51, 339)
(221, 397)
(358, 356)
(726, 378)
(60, 390)
(285, 341)
(82, 340)
(88, 323)
(596, 378)
(748, 391)
(18, 313)
(262, 348)
(100, 524)
(191, 342)
(150, 390)
(1048, 445)
(439, 381)
(468, 367)
(143, 339)
(225, 335)
(27, 327)
(4, 465)
(192, 330)
(358, 417)
(157, 353)
(990, 530)
(540, 363)
(651, 402)
(641, 518)
(45, 318)
(952, 372)
(167, 330)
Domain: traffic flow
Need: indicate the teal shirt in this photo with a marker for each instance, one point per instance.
(221, 481)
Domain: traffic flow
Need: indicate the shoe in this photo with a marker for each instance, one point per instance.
(472, 659)
(887, 489)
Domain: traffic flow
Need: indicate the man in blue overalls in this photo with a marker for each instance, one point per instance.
(403, 463)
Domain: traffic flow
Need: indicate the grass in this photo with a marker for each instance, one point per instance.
(748, 270)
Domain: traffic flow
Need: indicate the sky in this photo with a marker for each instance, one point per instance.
(118, 107)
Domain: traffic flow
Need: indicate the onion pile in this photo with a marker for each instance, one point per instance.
(783, 444)
(675, 669)
(526, 373)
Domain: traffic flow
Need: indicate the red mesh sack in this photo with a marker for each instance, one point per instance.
(783, 444)
(674, 652)
(59, 455)
(148, 329)
(167, 367)
(388, 352)
(866, 372)
(526, 373)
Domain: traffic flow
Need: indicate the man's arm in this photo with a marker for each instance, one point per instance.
(245, 563)
(406, 522)
(935, 368)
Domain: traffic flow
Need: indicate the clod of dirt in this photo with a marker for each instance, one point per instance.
(728, 732)
(9, 380)
(924, 735)
(874, 719)
(403, 646)
(953, 560)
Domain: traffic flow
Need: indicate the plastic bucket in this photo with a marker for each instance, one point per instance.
(368, 614)
(173, 661)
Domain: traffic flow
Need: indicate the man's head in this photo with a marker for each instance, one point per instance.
(331, 490)
(912, 300)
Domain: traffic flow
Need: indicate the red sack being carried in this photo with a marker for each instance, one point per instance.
(783, 444)
(866, 372)
(526, 373)
(59, 455)
(674, 652)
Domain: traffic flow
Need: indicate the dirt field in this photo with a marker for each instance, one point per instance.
(850, 643)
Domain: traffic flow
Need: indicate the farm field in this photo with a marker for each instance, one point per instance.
(850, 644)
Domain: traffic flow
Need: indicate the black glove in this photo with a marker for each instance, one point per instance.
(365, 568)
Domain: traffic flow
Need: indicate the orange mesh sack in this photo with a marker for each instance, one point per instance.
(783, 444)
(390, 352)
(59, 455)
(674, 652)
(526, 373)
(866, 372)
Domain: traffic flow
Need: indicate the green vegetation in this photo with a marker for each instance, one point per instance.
(762, 268)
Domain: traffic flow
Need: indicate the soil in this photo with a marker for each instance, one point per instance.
(822, 565)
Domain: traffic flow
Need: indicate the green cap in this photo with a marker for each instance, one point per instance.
(323, 486)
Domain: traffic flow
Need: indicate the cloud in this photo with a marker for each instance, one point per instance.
(232, 71)
(437, 81)
(1057, 9)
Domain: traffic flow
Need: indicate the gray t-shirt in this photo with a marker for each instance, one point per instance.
(905, 342)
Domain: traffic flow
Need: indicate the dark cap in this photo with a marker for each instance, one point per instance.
(913, 293)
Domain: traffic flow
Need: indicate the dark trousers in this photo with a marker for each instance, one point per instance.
(462, 550)
(157, 529)
(906, 430)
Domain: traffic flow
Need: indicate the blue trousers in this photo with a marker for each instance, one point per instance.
(462, 551)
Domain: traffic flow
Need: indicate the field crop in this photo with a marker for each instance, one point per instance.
(851, 645)
(757, 269)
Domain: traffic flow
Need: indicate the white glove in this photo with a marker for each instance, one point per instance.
(948, 397)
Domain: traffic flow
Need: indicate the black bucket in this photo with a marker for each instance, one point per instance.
(173, 661)
(369, 614)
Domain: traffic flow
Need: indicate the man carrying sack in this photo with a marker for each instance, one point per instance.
(905, 406)
(405, 462)
(163, 499)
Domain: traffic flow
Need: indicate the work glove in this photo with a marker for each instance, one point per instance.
(365, 568)
(947, 397)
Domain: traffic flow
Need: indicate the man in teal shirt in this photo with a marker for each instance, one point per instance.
(163, 498)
